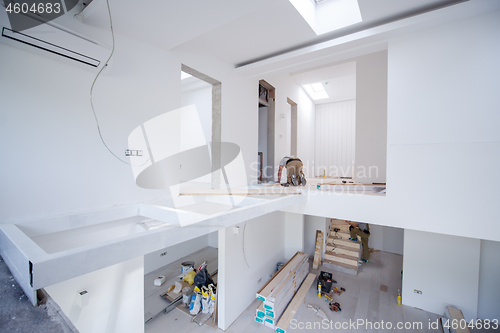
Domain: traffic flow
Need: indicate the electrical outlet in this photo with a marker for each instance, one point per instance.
(417, 291)
(163, 254)
(130, 152)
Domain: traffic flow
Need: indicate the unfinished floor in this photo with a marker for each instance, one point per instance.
(364, 299)
(17, 314)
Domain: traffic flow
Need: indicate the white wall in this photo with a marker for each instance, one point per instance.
(311, 224)
(489, 274)
(61, 165)
(386, 239)
(445, 268)
(202, 98)
(154, 260)
(264, 241)
(294, 234)
(443, 128)
(371, 118)
(213, 239)
(286, 87)
(335, 139)
(116, 299)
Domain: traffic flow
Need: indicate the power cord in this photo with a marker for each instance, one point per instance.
(92, 91)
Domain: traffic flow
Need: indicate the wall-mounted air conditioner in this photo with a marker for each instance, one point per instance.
(49, 47)
(56, 42)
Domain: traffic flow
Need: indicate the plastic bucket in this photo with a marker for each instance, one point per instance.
(185, 266)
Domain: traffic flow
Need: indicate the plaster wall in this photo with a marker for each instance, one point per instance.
(246, 261)
(442, 127)
(311, 224)
(386, 239)
(61, 166)
(115, 299)
(202, 99)
(294, 234)
(371, 118)
(439, 266)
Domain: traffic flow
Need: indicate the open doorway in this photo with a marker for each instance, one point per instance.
(204, 92)
(266, 132)
(292, 131)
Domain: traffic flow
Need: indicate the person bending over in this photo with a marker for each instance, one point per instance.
(294, 166)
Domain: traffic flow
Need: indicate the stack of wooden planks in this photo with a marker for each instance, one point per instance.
(277, 293)
(298, 299)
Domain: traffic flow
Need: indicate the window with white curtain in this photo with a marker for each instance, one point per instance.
(335, 139)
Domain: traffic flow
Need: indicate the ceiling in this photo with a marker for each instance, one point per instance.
(239, 32)
(339, 81)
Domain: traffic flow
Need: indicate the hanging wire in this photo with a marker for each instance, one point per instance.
(243, 245)
(92, 91)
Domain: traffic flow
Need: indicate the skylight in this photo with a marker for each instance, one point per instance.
(315, 90)
(185, 75)
(326, 16)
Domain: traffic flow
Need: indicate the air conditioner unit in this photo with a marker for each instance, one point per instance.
(57, 43)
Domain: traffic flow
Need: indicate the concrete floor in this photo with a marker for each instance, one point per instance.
(17, 314)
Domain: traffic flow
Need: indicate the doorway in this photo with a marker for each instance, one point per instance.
(266, 117)
(292, 131)
(209, 115)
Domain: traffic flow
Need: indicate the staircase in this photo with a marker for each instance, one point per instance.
(341, 253)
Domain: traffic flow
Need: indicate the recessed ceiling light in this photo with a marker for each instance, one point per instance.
(328, 15)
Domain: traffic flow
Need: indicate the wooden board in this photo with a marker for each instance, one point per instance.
(278, 278)
(457, 316)
(275, 190)
(295, 304)
(278, 300)
(343, 258)
(318, 252)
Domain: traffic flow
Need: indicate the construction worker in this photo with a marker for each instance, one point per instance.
(363, 231)
(295, 176)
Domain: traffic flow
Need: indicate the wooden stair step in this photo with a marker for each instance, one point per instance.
(341, 267)
(344, 242)
(343, 250)
(343, 228)
(343, 235)
(344, 258)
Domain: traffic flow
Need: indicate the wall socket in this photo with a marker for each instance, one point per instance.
(163, 254)
(130, 152)
(417, 291)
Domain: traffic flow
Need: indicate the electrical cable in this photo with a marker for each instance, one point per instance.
(92, 91)
(243, 245)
